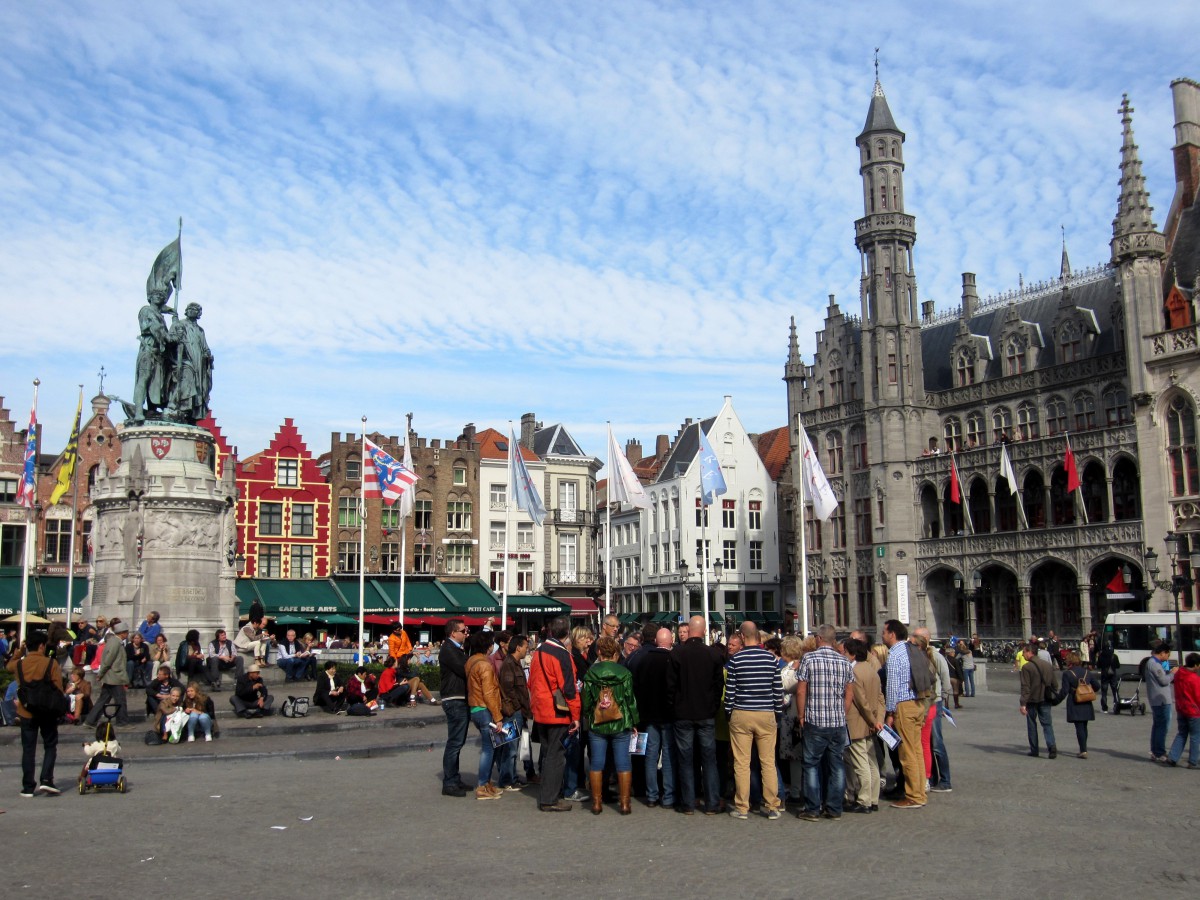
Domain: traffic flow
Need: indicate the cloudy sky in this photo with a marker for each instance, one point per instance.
(591, 211)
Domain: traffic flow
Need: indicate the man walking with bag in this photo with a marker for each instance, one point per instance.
(34, 666)
(112, 675)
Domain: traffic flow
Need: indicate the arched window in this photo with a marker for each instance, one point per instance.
(833, 452)
(881, 146)
(952, 513)
(929, 512)
(1125, 489)
(1034, 497)
(1027, 421)
(952, 431)
(1181, 447)
(1006, 506)
(1062, 501)
(1094, 490)
(1001, 423)
(981, 509)
(1085, 411)
(858, 447)
(964, 368)
(975, 436)
(1116, 405)
(1056, 415)
(1014, 358)
(653, 514)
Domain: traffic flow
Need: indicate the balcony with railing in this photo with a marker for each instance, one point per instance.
(572, 516)
(574, 579)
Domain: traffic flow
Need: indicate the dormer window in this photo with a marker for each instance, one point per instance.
(1070, 343)
(1014, 359)
(965, 369)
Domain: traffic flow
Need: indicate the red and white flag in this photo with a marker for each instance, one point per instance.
(383, 476)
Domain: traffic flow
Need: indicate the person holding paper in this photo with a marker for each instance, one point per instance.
(905, 713)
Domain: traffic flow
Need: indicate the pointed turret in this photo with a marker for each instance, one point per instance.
(794, 367)
(1134, 231)
(879, 116)
(1064, 270)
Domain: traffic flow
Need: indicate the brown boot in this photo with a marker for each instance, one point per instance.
(625, 788)
(596, 782)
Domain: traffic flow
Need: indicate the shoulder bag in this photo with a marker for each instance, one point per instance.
(1084, 692)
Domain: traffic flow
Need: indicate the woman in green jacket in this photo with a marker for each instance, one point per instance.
(611, 713)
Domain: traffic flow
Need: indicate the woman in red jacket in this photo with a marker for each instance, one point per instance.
(1187, 708)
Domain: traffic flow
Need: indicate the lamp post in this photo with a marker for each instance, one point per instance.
(683, 588)
(1179, 582)
(816, 593)
(970, 598)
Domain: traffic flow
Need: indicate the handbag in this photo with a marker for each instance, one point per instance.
(1084, 692)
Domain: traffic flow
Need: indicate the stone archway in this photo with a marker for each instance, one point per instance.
(1054, 599)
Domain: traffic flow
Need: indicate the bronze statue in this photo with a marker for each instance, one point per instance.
(151, 387)
(191, 374)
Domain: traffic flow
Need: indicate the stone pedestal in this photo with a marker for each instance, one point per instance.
(164, 535)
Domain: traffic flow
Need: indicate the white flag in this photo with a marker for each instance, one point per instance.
(1007, 473)
(407, 498)
(816, 486)
(623, 486)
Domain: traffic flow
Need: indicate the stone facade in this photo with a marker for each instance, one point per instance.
(1097, 358)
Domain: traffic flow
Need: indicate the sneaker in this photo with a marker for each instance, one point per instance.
(1192, 765)
(1053, 754)
(512, 787)
(580, 797)
(826, 814)
(773, 814)
(735, 814)
(208, 738)
(941, 789)
(47, 789)
(28, 795)
(484, 793)
(1083, 755)
(191, 739)
(907, 804)
(453, 790)
(806, 816)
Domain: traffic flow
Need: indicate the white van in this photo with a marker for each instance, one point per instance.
(1132, 632)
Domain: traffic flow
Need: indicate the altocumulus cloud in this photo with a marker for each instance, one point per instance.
(589, 210)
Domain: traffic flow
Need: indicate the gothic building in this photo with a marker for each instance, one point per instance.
(1105, 358)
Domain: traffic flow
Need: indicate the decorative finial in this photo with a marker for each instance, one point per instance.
(1125, 109)
(101, 373)
(878, 87)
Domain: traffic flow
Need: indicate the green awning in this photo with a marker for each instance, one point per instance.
(280, 596)
(627, 618)
(773, 618)
(47, 594)
(289, 619)
(337, 619)
(665, 616)
(756, 617)
(536, 604)
(715, 618)
(735, 616)
(473, 597)
(427, 597)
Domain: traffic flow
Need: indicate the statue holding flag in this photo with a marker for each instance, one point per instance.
(152, 376)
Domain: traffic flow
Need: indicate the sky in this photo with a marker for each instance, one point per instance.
(590, 211)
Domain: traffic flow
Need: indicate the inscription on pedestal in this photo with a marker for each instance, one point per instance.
(187, 594)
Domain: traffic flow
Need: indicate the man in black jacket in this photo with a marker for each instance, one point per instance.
(453, 663)
(658, 717)
(694, 685)
(250, 697)
(1108, 665)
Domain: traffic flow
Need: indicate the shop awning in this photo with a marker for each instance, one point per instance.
(716, 618)
(280, 596)
(580, 606)
(290, 620)
(337, 619)
(665, 617)
(473, 597)
(537, 604)
(47, 593)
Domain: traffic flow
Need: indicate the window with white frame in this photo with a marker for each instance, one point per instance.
(729, 514)
(302, 562)
(754, 515)
(498, 494)
(756, 556)
(568, 557)
(729, 555)
(270, 560)
(287, 472)
(459, 559)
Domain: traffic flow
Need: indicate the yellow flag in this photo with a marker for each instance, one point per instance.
(66, 474)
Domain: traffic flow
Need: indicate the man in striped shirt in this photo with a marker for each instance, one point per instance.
(753, 699)
(905, 713)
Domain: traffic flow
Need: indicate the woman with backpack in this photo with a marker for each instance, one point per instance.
(610, 710)
(1079, 710)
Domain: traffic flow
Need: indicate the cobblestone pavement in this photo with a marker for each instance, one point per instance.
(1114, 825)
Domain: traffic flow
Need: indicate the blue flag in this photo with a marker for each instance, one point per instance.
(711, 480)
(523, 490)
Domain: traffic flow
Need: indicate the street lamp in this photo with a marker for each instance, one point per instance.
(1179, 582)
(969, 597)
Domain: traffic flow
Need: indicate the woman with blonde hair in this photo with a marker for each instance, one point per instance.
(200, 711)
(791, 746)
(582, 639)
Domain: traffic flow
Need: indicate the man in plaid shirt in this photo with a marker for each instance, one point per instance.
(823, 694)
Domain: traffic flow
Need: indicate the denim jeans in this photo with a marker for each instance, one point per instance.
(1035, 713)
(457, 720)
(824, 748)
(1189, 730)
(483, 721)
(506, 756)
(941, 759)
(574, 761)
(1158, 729)
(660, 739)
(201, 719)
(968, 682)
(293, 667)
(598, 745)
(688, 734)
(30, 729)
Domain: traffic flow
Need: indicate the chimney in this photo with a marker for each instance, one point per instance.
(100, 405)
(970, 299)
(468, 432)
(1186, 96)
(926, 310)
(633, 451)
(528, 426)
(662, 446)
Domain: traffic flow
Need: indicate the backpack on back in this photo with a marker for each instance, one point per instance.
(607, 709)
(41, 698)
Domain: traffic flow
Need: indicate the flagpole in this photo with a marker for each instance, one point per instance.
(704, 567)
(362, 544)
(29, 533)
(74, 514)
(804, 556)
(608, 528)
(404, 519)
(512, 448)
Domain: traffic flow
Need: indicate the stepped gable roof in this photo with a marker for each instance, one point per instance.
(1040, 308)
(494, 445)
(555, 440)
(684, 450)
(774, 449)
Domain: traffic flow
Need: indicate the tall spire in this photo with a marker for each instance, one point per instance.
(793, 343)
(1064, 270)
(1134, 212)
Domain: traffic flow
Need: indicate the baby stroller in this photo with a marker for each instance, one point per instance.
(104, 770)
(1133, 703)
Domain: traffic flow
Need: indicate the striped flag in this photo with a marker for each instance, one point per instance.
(383, 476)
(66, 473)
(27, 489)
